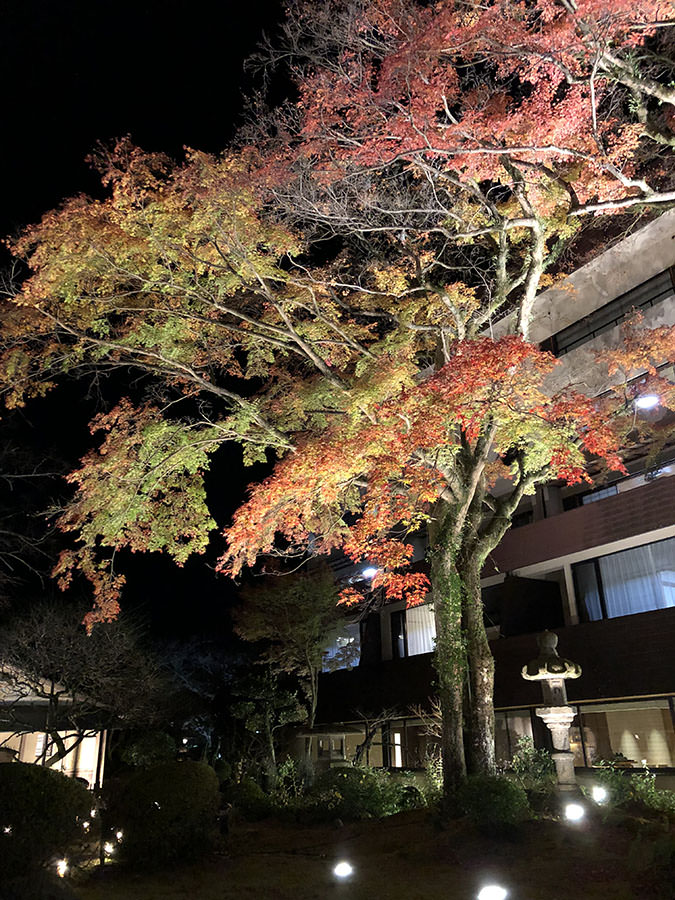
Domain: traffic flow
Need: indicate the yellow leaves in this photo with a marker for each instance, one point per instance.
(393, 280)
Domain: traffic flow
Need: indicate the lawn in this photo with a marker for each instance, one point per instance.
(407, 857)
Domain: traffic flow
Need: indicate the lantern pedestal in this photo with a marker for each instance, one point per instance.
(552, 671)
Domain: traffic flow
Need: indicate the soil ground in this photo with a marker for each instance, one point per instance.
(408, 857)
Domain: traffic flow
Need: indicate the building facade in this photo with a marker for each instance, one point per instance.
(595, 565)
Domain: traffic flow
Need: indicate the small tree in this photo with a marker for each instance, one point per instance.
(296, 616)
(88, 682)
(264, 706)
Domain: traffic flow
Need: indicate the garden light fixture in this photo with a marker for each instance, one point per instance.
(599, 794)
(109, 848)
(370, 572)
(574, 812)
(493, 892)
(343, 870)
(61, 867)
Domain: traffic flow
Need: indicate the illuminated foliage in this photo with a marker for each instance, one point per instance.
(352, 292)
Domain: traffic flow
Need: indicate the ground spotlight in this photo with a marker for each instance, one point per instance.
(493, 892)
(574, 812)
(599, 794)
(343, 870)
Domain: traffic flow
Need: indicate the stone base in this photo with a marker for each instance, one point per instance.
(564, 767)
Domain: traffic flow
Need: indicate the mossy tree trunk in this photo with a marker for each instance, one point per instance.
(450, 653)
(479, 715)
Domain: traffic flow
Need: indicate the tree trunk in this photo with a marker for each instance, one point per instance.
(450, 664)
(480, 712)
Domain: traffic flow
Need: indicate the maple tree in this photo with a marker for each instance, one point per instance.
(352, 289)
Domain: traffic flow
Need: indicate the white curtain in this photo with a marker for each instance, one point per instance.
(421, 629)
(640, 579)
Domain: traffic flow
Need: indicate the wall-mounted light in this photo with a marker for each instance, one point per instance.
(647, 401)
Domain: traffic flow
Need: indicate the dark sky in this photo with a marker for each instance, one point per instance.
(170, 74)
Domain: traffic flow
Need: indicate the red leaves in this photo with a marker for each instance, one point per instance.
(489, 390)
(541, 78)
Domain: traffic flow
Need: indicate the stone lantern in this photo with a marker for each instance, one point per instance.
(552, 671)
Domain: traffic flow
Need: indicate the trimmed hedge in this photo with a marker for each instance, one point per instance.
(43, 811)
(167, 812)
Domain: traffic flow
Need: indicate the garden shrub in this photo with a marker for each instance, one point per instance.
(168, 813)
(644, 791)
(533, 769)
(149, 749)
(366, 793)
(639, 789)
(249, 799)
(44, 810)
(290, 785)
(223, 770)
(433, 781)
(494, 804)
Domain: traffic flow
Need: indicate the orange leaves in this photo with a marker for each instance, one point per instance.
(366, 487)
(541, 79)
(641, 349)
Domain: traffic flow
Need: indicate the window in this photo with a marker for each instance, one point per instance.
(509, 726)
(344, 650)
(413, 631)
(650, 293)
(421, 629)
(631, 734)
(628, 582)
(600, 494)
(397, 750)
(583, 498)
(399, 644)
(40, 745)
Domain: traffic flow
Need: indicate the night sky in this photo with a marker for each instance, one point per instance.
(170, 74)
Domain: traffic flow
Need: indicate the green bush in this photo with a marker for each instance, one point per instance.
(223, 770)
(249, 799)
(644, 791)
(433, 781)
(149, 749)
(640, 789)
(494, 804)
(43, 810)
(167, 812)
(360, 793)
(533, 769)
